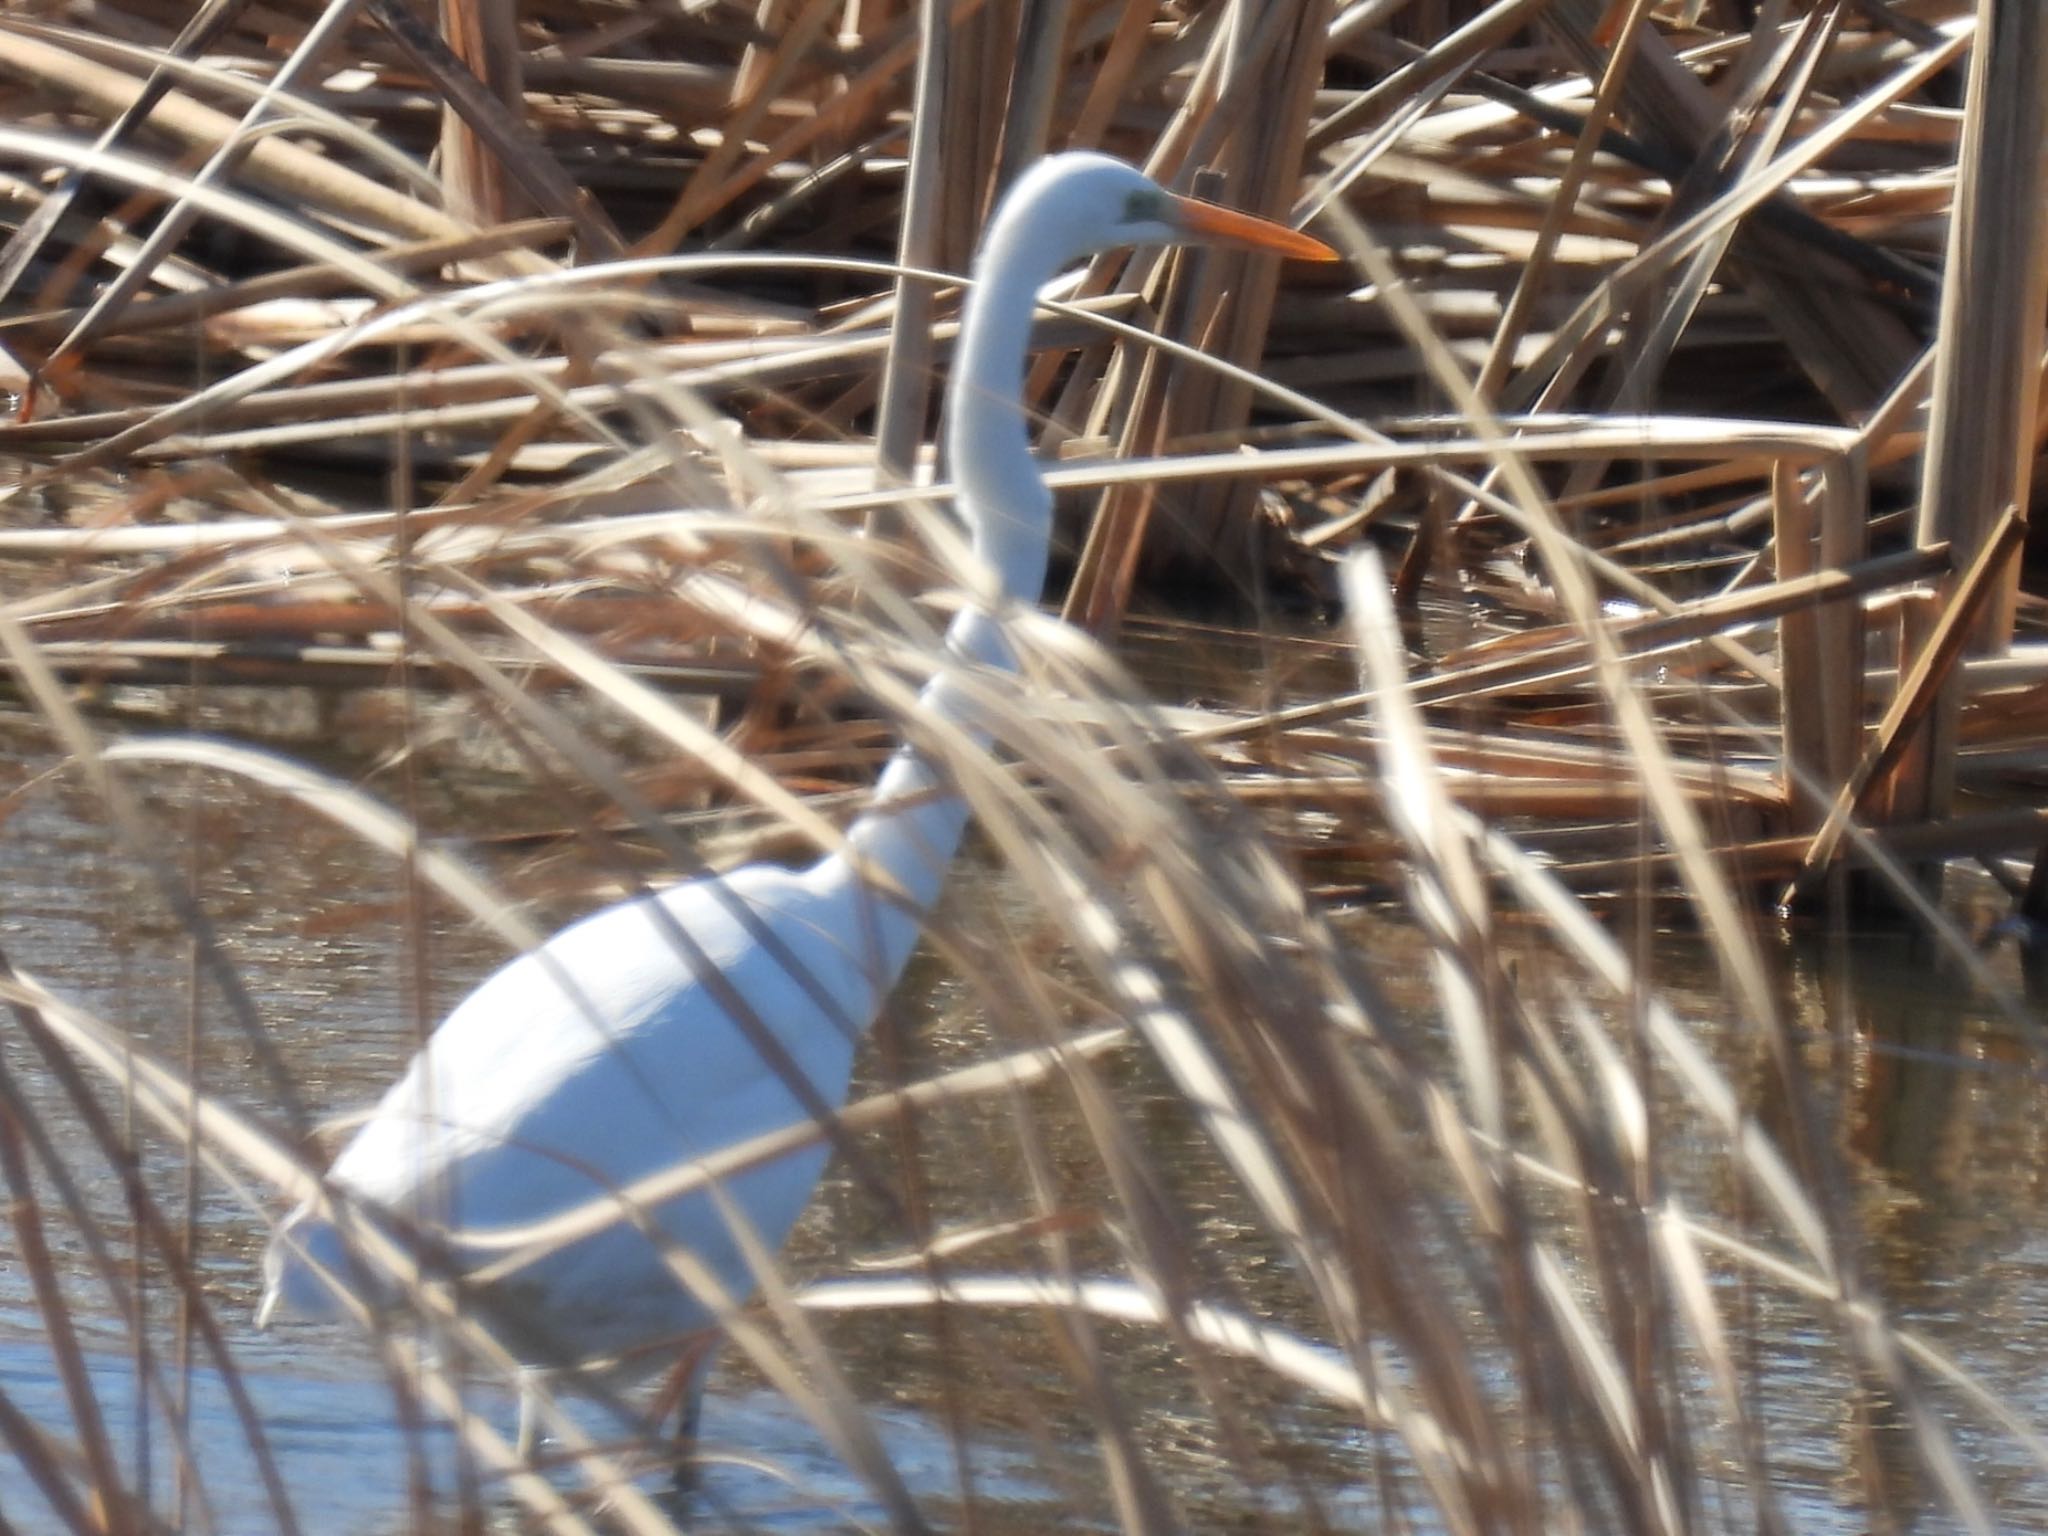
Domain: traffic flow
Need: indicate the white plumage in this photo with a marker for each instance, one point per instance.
(667, 1027)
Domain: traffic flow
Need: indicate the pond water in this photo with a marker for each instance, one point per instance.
(346, 1453)
(1940, 1109)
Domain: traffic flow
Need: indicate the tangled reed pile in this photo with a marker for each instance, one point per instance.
(507, 393)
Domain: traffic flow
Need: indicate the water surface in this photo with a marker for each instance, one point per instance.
(1938, 1106)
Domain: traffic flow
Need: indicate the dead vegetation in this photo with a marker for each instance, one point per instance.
(556, 365)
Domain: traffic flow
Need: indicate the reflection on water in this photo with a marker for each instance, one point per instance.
(1941, 1115)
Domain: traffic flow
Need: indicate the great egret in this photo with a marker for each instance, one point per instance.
(666, 1027)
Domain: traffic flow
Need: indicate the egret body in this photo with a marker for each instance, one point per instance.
(669, 1026)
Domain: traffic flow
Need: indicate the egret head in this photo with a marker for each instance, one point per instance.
(1096, 203)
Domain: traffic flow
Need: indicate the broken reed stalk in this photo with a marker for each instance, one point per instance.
(1983, 434)
(907, 373)
(483, 37)
(1255, 133)
(1818, 527)
(1933, 670)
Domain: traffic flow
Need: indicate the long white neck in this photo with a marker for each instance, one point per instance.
(912, 827)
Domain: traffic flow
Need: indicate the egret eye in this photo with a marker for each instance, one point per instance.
(1145, 206)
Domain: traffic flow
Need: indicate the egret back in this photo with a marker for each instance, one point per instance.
(646, 1035)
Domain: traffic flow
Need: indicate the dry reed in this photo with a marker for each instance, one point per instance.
(533, 482)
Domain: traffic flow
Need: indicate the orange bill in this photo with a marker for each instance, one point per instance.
(1212, 221)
